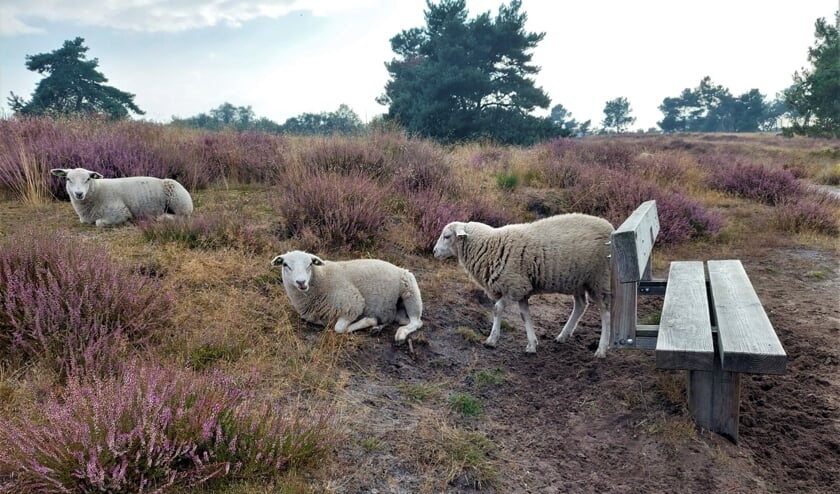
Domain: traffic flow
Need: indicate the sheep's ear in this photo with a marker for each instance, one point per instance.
(95, 175)
(59, 172)
(277, 261)
(317, 261)
(460, 230)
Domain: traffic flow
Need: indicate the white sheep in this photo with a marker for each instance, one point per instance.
(356, 294)
(111, 201)
(566, 253)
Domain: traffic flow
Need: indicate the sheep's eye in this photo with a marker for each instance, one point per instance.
(447, 236)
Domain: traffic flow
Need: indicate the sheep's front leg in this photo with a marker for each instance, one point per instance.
(529, 326)
(604, 343)
(579, 305)
(493, 339)
(343, 324)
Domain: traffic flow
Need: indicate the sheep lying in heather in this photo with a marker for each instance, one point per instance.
(112, 201)
(561, 254)
(357, 294)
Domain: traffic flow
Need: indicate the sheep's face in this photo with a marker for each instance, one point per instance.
(77, 181)
(297, 268)
(445, 246)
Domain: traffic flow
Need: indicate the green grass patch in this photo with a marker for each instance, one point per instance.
(419, 391)
(489, 377)
(466, 404)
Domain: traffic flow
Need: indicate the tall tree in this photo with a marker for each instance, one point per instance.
(815, 94)
(457, 79)
(72, 86)
(568, 125)
(617, 115)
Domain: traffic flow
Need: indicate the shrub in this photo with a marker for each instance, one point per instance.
(755, 182)
(805, 215)
(208, 231)
(430, 211)
(151, 429)
(333, 211)
(66, 304)
(466, 404)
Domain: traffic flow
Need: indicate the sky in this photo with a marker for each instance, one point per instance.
(287, 57)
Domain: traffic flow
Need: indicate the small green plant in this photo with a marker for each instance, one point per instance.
(419, 391)
(472, 450)
(651, 317)
(507, 180)
(466, 404)
(488, 377)
(371, 444)
(817, 275)
(205, 356)
(469, 334)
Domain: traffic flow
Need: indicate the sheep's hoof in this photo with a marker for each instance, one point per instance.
(561, 339)
(490, 344)
(601, 354)
(374, 331)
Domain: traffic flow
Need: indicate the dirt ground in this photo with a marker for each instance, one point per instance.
(565, 422)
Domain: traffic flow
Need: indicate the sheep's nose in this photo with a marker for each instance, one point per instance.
(301, 284)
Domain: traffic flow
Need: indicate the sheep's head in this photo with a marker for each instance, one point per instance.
(78, 181)
(297, 268)
(446, 244)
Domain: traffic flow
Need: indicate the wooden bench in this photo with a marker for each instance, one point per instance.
(713, 327)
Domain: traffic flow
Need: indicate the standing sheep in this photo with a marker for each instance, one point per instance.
(561, 254)
(357, 294)
(112, 201)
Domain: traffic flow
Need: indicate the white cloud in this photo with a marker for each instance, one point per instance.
(26, 16)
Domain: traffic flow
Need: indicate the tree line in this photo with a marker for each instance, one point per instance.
(459, 78)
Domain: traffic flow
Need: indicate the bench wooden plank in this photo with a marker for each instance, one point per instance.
(746, 337)
(685, 328)
(632, 243)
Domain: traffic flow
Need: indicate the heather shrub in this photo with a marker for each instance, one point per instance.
(805, 215)
(66, 304)
(421, 166)
(348, 156)
(429, 212)
(242, 157)
(755, 182)
(332, 211)
(152, 429)
(211, 231)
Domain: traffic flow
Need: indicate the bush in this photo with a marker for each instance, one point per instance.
(756, 182)
(333, 211)
(66, 304)
(805, 215)
(208, 231)
(430, 211)
(151, 429)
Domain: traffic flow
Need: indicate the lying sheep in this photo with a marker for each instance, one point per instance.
(357, 294)
(111, 201)
(561, 254)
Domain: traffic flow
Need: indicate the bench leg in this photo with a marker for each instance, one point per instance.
(714, 399)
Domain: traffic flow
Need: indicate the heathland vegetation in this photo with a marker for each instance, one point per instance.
(165, 354)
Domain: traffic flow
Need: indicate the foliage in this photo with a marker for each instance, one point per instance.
(804, 215)
(712, 108)
(814, 94)
(151, 429)
(66, 305)
(332, 211)
(73, 86)
(342, 121)
(210, 231)
(568, 125)
(617, 115)
(466, 404)
(756, 182)
(458, 79)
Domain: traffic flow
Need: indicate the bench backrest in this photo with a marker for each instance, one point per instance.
(631, 250)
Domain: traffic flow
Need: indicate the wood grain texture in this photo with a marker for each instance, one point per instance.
(747, 340)
(685, 329)
(632, 243)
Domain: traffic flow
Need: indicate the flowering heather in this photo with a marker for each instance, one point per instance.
(348, 156)
(430, 211)
(333, 211)
(151, 429)
(67, 305)
(755, 182)
(805, 215)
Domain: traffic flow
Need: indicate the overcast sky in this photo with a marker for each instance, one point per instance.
(287, 57)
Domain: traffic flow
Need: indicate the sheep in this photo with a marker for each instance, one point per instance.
(356, 294)
(567, 253)
(112, 201)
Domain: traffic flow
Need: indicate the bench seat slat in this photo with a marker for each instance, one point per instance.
(685, 329)
(746, 337)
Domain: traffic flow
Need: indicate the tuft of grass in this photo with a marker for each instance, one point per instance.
(211, 231)
(652, 317)
(817, 275)
(472, 451)
(469, 334)
(466, 404)
(489, 377)
(507, 180)
(419, 391)
(207, 355)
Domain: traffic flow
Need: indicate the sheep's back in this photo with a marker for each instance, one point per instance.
(143, 196)
(379, 282)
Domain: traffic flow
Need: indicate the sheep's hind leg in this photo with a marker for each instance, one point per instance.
(529, 326)
(578, 306)
(343, 325)
(412, 308)
(604, 343)
(493, 339)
